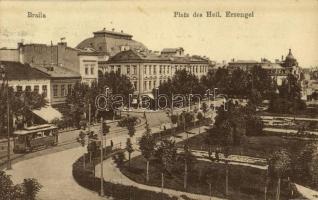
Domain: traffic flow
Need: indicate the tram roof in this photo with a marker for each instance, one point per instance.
(34, 129)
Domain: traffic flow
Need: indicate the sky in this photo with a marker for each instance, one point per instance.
(276, 26)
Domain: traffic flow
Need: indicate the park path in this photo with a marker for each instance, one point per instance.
(283, 130)
(54, 172)
(114, 175)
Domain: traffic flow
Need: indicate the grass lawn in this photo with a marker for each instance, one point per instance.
(244, 182)
(256, 146)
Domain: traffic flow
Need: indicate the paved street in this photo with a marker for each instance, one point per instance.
(54, 172)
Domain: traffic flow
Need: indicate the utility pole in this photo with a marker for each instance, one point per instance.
(5, 78)
(101, 160)
(89, 130)
(8, 127)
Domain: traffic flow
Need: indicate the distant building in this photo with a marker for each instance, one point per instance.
(173, 51)
(277, 70)
(309, 84)
(22, 77)
(111, 42)
(62, 81)
(147, 70)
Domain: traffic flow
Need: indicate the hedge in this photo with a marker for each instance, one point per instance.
(86, 179)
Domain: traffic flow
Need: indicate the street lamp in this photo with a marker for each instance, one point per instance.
(4, 77)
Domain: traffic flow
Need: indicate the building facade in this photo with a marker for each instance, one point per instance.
(148, 70)
(22, 77)
(278, 70)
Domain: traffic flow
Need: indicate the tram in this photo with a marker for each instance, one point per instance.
(35, 137)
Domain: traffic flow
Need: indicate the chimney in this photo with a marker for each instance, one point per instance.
(104, 29)
(113, 29)
(122, 31)
(21, 52)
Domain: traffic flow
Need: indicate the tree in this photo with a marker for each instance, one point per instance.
(238, 83)
(20, 103)
(31, 188)
(129, 122)
(147, 145)
(129, 148)
(26, 191)
(119, 159)
(165, 154)
(183, 82)
(279, 164)
(200, 118)
(204, 108)
(288, 100)
(76, 100)
(189, 160)
(305, 165)
(118, 83)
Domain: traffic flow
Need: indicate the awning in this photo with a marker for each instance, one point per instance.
(48, 114)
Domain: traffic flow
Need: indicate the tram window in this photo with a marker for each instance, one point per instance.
(20, 139)
(46, 133)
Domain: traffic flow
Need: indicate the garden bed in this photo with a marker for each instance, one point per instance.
(255, 146)
(244, 182)
(86, 178)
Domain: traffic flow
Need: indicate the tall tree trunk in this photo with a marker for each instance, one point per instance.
(129, 159)
(162, 182)
(185, 174)
(226, 178)
(278, 189)
(147, 174)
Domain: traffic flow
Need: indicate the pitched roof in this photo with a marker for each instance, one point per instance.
(19, 71)
(170, 50)
(147, 56)
(58, 72)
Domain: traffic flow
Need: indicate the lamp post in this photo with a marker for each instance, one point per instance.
(5, 77)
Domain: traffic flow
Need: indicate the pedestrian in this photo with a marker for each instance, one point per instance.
(111, 144)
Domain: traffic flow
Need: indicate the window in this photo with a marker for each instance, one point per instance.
(154, 69)
(112, 68)
(92, 69)
(69, 88)
(150, 69)
(19, 88)
(135, 70)
(118, 69)
(135, 85)
(36, 89)
(149, 85)
(62, 90)
(44, 90)
(145, 69)
(145, 85)
(168, 69)
(128, 69)
(154, 83)
(196, 69)
(28, 88)
(86, 70)
(160, 69)
(55, 90)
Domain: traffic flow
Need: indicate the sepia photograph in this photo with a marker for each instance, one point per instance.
(158, 100)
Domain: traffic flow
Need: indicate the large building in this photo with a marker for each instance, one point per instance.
(278, 69)
(111, 42)
(147, 70)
